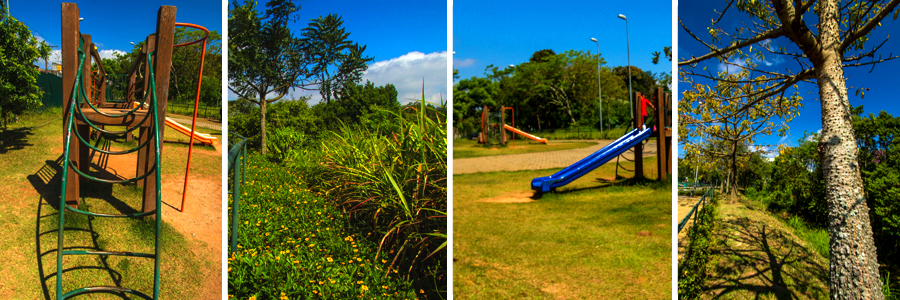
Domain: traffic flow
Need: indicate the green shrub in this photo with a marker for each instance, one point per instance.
(395, 182)
(694, 267)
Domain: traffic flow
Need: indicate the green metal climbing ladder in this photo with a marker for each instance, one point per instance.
(79, 99)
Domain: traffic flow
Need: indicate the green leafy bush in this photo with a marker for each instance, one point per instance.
(694, 266)
(395, 182)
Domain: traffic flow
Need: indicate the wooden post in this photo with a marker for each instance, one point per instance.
(103, 78)
(661, 154)
(502, 122)
(69, 50)
(144, 132)
(669, 133)
(162, 65)
(638, 149)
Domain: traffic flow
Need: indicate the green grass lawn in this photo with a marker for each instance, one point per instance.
(594, 238)
(30, 180)
(292, 244)
(471, 148)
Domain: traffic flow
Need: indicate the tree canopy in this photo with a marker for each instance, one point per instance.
(266, 61)
(19, 49)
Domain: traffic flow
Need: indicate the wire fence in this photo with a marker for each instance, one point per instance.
(237, 168)
(701, 204)
(203, 111)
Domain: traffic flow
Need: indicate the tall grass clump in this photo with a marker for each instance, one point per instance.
(395, 183)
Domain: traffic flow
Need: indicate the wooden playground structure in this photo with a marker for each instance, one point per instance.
(161, 45)
(663, 134)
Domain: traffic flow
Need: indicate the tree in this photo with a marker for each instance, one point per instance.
(186, 66)
(822, 53)
(337, 61)
(266, 61)
(729, 114)
(18, 74)
(263, 61)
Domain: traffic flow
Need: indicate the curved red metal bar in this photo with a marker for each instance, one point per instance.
(196, 101)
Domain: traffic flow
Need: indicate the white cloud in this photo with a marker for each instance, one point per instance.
(814, 137)
(765, 151)
(731, 68)
(462, 63)
(110, 54)
(407, 73)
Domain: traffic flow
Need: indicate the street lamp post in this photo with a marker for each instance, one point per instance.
(628, 47)
(599, 91)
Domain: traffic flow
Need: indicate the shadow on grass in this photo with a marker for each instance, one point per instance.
(15, 139)
(762, 267)
(47, 181)
(606, 184)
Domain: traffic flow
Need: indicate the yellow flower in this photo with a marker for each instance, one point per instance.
(359, 282)
(330, 260)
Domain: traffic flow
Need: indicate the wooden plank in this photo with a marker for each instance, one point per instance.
(162, 65)
(98, 119)
(661, 153)
(143, 163)
(103, 77)
(86, 68)
(69, 48)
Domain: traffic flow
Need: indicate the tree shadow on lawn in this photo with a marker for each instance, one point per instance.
(763, 261)
(15, 139)
(47, 181)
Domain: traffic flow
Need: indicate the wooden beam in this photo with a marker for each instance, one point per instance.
(639, 148)
(162, 65)
(69, 48)
(661, 153)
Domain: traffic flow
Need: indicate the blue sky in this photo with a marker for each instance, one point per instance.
(112, 24)
(407, 39)
(509, 32)
(698, 15)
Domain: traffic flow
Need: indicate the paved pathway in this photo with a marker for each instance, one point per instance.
(201, 122)
(537, 160)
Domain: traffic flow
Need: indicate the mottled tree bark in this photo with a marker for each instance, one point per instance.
(854, 264)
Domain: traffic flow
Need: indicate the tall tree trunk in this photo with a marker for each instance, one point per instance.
(262, 120)
(854, 263)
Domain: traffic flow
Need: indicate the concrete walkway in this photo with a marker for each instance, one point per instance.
(537, 160)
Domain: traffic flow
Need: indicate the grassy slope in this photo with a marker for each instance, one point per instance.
(29, 195)
(471, 148)
(292, 244)
(763, 257)
(593, 239)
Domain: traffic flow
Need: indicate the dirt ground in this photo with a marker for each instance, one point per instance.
(201, 220)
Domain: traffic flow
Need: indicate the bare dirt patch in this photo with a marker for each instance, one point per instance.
(514, 197)
(201, 220)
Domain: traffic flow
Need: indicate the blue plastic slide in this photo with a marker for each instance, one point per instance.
(584, 166)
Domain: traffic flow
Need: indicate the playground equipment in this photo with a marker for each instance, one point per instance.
(522, 133)
(495, 130)
(632, 139)
(200, 137)
(147, 79)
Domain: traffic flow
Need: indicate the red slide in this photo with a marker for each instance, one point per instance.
(522, 133)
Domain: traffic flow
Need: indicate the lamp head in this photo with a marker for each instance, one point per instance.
(593, 39)
(621, 16)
